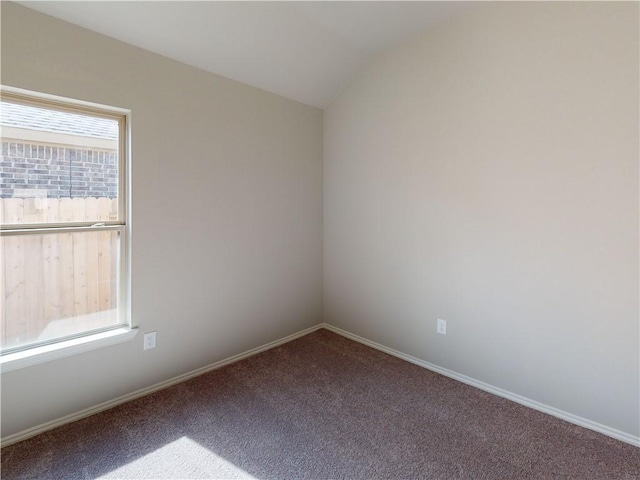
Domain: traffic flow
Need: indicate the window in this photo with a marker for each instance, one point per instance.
(63, 220)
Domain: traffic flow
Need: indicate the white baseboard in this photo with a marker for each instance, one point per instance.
(31, 432)
(569, 417)
(582, 422)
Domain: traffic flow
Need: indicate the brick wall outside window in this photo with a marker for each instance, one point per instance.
(57, 171)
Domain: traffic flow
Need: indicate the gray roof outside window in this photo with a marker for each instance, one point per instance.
(34, 118)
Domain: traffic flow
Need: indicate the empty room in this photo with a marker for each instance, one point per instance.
(318, 240)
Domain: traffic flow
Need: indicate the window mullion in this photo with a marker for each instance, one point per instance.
(61, 229)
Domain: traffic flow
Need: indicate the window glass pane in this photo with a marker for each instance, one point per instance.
(54, 285)
(50, 154)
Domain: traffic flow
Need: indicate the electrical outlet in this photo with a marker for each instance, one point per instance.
(441, 327)
(149, 340)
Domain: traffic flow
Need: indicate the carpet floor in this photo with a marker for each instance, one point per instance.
(321, 407)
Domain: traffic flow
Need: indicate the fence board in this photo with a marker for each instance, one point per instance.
(115, 256)
(105, 289)
(51, 213)
(51, 269)
(33, 283)
(92, 274)
(14, 294)
(65, 242)
(79, 261)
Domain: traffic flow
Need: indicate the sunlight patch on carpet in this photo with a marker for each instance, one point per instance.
(182, 458)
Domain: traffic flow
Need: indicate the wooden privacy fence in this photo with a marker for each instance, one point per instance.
(55, 276)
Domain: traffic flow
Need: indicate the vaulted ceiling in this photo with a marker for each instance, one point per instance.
(305, 51)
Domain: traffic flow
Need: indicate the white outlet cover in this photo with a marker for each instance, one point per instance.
(149, 340)
(441, 326)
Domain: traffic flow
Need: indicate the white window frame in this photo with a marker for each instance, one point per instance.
(35, 353)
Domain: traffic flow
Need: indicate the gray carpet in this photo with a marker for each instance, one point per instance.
(321, 407)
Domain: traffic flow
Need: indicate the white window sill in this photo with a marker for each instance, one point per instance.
(45, 353)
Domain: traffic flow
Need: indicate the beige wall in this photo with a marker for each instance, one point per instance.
(227, 213)
(487, 174)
